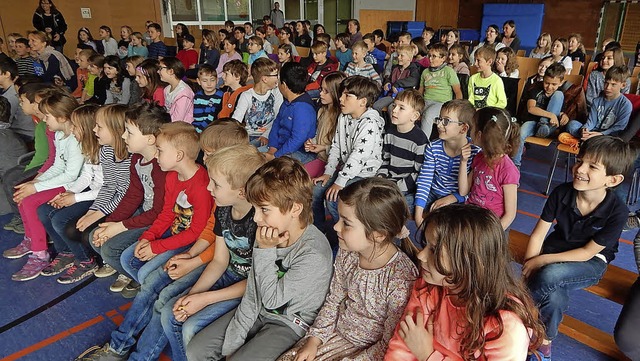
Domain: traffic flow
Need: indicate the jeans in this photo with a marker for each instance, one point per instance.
(112, 249)
(529, 128)
(551, 285)
(158, 288)
(139, 270)
(163, 327)
(574, 128)
(303, 157)
(55, 222)
(431, 111)
(625, 332)
(318, 203)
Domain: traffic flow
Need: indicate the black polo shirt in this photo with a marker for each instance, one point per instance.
(573, 230)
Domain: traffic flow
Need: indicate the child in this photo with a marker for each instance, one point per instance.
(371, 281)
(101, 83)
(296, 119)
(343, 50)
(125, 40)
(589, 220)
(543, 47)
(438, 84)
(11, 44)
(256, 51)
(109, 44)
(539, 75)
(188, 55)
(86, 41)
(230, 53)
(18, 121)
(146, 192)
(11, 146)
(595, 84)
(284, 54)
(544, 108)
(359, 66)
(57, 108)
(242, 43)
(137, 46)
(377, 54)
(266, 45)
(486, 89)
(280, 192)
(463, 306)
(610, 112)
(559, 54)
(157, 49)
(24, 58)
(422, 52)
(459, 59)
(378, 37)
(210, 53)
(272, 36)
(576, 51)
(207, 102)
(404, 144)
(437, 183)
(234, 81)
(404, 75)
(178, 96)
(356, 149)
(86, 80)
(248, 30)
(320, 67)
(493, 180)
(119, 90)
(404, 38)
(506, 64)
(148, 79)
(131, 63)
(65, 209)
(258, 107)
(427, 35)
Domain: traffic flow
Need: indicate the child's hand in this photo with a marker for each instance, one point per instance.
(564, 119)
(418, 339)
(553, 120)
(263, 141)
(88, 219)
(532, 265)
(188, 305)
(444, 201)
(586, 135)
(322, 179)
(141, 243)
(309, 350)
(465, 153)
(23, 191)
(268, 237)
(107, 230)
(178, 267)
(387, 87)
(332, 192)
(145, 253)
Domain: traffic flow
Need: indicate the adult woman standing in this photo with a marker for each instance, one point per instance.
(52, 65)
(509, 36)
(47, 18)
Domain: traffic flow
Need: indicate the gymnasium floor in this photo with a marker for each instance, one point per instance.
(43, 320)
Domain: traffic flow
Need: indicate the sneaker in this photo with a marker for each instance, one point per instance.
(12, 223)
(121, 282)
(100, 353)
(131, 290)
(105, 271)
(632, 222)
(59, 264)
(18, 228)
(543, 131)
(78, 272)
(31, 269)
(19, 251)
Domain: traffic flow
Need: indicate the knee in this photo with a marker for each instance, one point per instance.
(557, 96)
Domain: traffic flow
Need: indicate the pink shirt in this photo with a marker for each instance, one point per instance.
(486, 187)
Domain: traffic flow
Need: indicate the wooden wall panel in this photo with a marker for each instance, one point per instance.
(437, 13)
(377, 19)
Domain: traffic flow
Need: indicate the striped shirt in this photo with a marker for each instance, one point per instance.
(206, 108)
(116, 177)
(402, 157)
(366, 71)
(25, 66)
(439, 172)
(157, 49)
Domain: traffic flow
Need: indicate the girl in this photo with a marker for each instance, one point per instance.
(135, 94)
(109, 44)
(543, 47)
(261, 32)
(285, 38)
(119, 84)
(459, 59)
(178, 96)
(85, 39)
(576, 49)
(11, 39)
(509, 36)
(211, 54)
(230, 53)
(53, 67)
(371, 280)
(463, 307)
(67, 207)
(101, 82)
(284, 54)
(595, 84)
(319, 29)
(539, 76)
(148, 79)
(493, 180)
(222, 34)
(57, 108)
(181, 32)
(491, 39)
(137, 46)
(453, 37)
(353, 29)
(327, 122)
(559, 53)
(506, 64)
(125, 40)
(422, 54)
(302, 36)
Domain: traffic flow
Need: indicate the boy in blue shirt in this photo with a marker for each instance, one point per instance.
(343, 50)
(375, 53)
(208, 101)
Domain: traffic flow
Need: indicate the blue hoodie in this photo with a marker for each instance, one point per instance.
(295, 123)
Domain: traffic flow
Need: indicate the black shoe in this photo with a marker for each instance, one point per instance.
(131, 290)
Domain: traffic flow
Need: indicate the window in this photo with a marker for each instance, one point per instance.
(202, 12)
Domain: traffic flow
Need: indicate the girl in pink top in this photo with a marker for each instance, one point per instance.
(148, 79)
(468, 304)
(178, 96)
(230, 53)
(493, 180)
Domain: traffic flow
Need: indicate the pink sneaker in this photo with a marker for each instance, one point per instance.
(31, 269)
(19, 251)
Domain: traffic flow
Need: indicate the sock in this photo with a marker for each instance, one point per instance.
(41, 254)
(545, 350)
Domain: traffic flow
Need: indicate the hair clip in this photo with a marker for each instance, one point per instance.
(513, 119)
(142, 70)
(404, 233)
(494, 118)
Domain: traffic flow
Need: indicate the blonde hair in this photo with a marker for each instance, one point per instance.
(114, 118)
(222, 133)
(83, 119)
(547, 48)
(236, 163)
(410, 50)
(182, 136)
(60, 104)
(360, 45)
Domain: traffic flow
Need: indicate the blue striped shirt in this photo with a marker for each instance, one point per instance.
(206, 108)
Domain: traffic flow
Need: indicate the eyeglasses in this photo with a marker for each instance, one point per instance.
(162, 67)
(446, 121)
(276, 74)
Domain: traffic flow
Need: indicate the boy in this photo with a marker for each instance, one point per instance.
(239, 33)
(146, 192)
(439, 83)
(357, 146)
(267, 322)
(19, 122)
(589, 220)
(427, 35)
(296, 120)
(359, 66)
(437, 183)
(234, 77)
(272, 37)
(258, 107)
(11, 146)
(255, 46)
(207, 102)
(544, 107)
(609, 112)
(375, 53)
(404, 38)
(404, 144)
(486, 88)
(24, 58)
(82, 74)
(157, 49)
(404, 75)
(378, 36)
(188, 55)
(320, 67)
(229, 26)
(248, 30)
(343, 50)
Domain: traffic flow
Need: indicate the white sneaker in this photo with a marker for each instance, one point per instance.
(105, 271)
(120, 283)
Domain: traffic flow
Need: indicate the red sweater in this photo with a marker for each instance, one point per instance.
(187, 206)
(188, 58)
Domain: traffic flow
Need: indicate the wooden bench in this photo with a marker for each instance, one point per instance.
(614, 286)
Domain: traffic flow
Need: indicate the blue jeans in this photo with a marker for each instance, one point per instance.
(550, 287)
(303, 157)
(55, 222)
(318, 203)
(529, 128)
(179, 334)
(139, 270)
(574, 128)
(112, 249)
(157, 288)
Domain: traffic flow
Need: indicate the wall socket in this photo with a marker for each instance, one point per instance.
(86, 13)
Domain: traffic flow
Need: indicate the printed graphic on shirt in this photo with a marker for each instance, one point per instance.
(240, 252)
(482, 178)
(38, 68)
(481, 94)
(183, 211)
(261, 114)
(606, 116)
